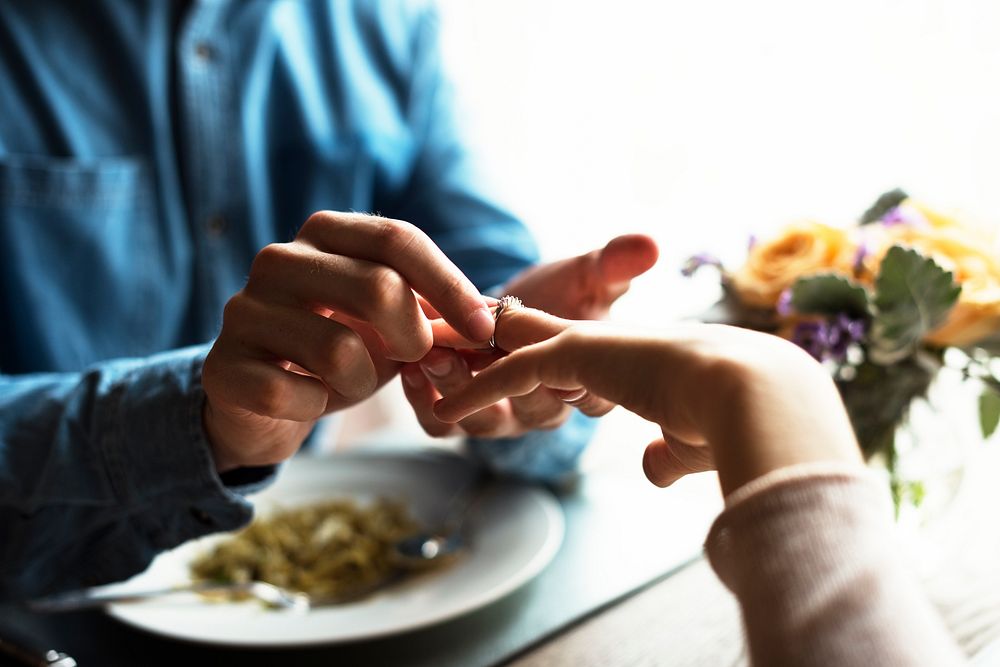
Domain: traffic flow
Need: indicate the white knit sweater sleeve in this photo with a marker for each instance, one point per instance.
(809, 552)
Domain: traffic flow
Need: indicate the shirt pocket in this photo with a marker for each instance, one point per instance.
(77, 243)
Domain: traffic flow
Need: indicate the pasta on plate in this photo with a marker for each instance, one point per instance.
(327, 550)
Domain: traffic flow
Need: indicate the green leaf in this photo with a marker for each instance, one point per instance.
(829, 294)
(902, 491)
(731, 310)
(913, 295)
(878, 399)
(883, 205)
(989, 411)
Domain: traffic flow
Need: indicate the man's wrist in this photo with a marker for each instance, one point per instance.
(224, 461)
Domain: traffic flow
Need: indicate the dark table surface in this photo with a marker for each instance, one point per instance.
(616, 543)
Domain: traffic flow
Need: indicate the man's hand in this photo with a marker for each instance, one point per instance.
(582, 287)
(585, 287)
(322, 323)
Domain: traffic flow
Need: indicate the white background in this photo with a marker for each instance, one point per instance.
(702, 122)
(705, 121)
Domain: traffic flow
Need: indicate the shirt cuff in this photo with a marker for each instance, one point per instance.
(795, 473)
(546, 456)
(159, 458)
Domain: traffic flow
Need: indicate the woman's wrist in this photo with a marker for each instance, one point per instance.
(778, 409)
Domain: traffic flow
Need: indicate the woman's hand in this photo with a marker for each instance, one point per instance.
(733, 399)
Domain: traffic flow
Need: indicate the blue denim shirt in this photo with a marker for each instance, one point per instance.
(148, 150)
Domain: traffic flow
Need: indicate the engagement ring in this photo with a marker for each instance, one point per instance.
(507, 302)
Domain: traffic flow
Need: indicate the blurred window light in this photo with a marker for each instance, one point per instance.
(703, 122)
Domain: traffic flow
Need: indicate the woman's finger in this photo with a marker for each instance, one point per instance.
(514, 375)
(448, 372)
(585, 401)
(540, 409)
(666, 462)
(515, 329)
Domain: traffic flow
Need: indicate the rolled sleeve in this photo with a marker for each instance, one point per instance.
(809, 552)
(547, 456)
(107, 468)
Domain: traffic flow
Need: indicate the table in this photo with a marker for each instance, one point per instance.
(690, 619)
(607, 554)
(653, 604)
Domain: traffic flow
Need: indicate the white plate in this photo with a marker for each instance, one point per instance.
(514, 533)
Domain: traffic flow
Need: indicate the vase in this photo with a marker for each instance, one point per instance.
(934, 444)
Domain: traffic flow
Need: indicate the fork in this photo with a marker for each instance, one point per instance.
(272, 596)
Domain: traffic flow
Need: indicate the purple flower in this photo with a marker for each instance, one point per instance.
(830, 339)
(695, 262)
(893, 217)
(811, 337)
(751, 242)
(903, 216)
(854, 329)
(784, 305)
(859, 258)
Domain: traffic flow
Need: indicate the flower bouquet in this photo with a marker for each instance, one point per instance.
(884, 304)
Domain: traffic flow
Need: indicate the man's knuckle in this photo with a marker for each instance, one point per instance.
(395, 237)
(453, 287)
(318, 219)
(270, 397)
(233, 311)
(384, 288)
(340, 363)
(346, 346)
(240, 317)
(268, 259)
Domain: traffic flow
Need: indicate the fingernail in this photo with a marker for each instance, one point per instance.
(439, 367)
(413, 377)
(481, 324)
(437, 409)
(575, 396)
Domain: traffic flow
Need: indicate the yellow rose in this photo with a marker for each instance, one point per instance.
(802, 249)
(974, 259)
(934, 218)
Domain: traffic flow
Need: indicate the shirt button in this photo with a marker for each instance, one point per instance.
(204, 51)
(202, 517)
(216, 225)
